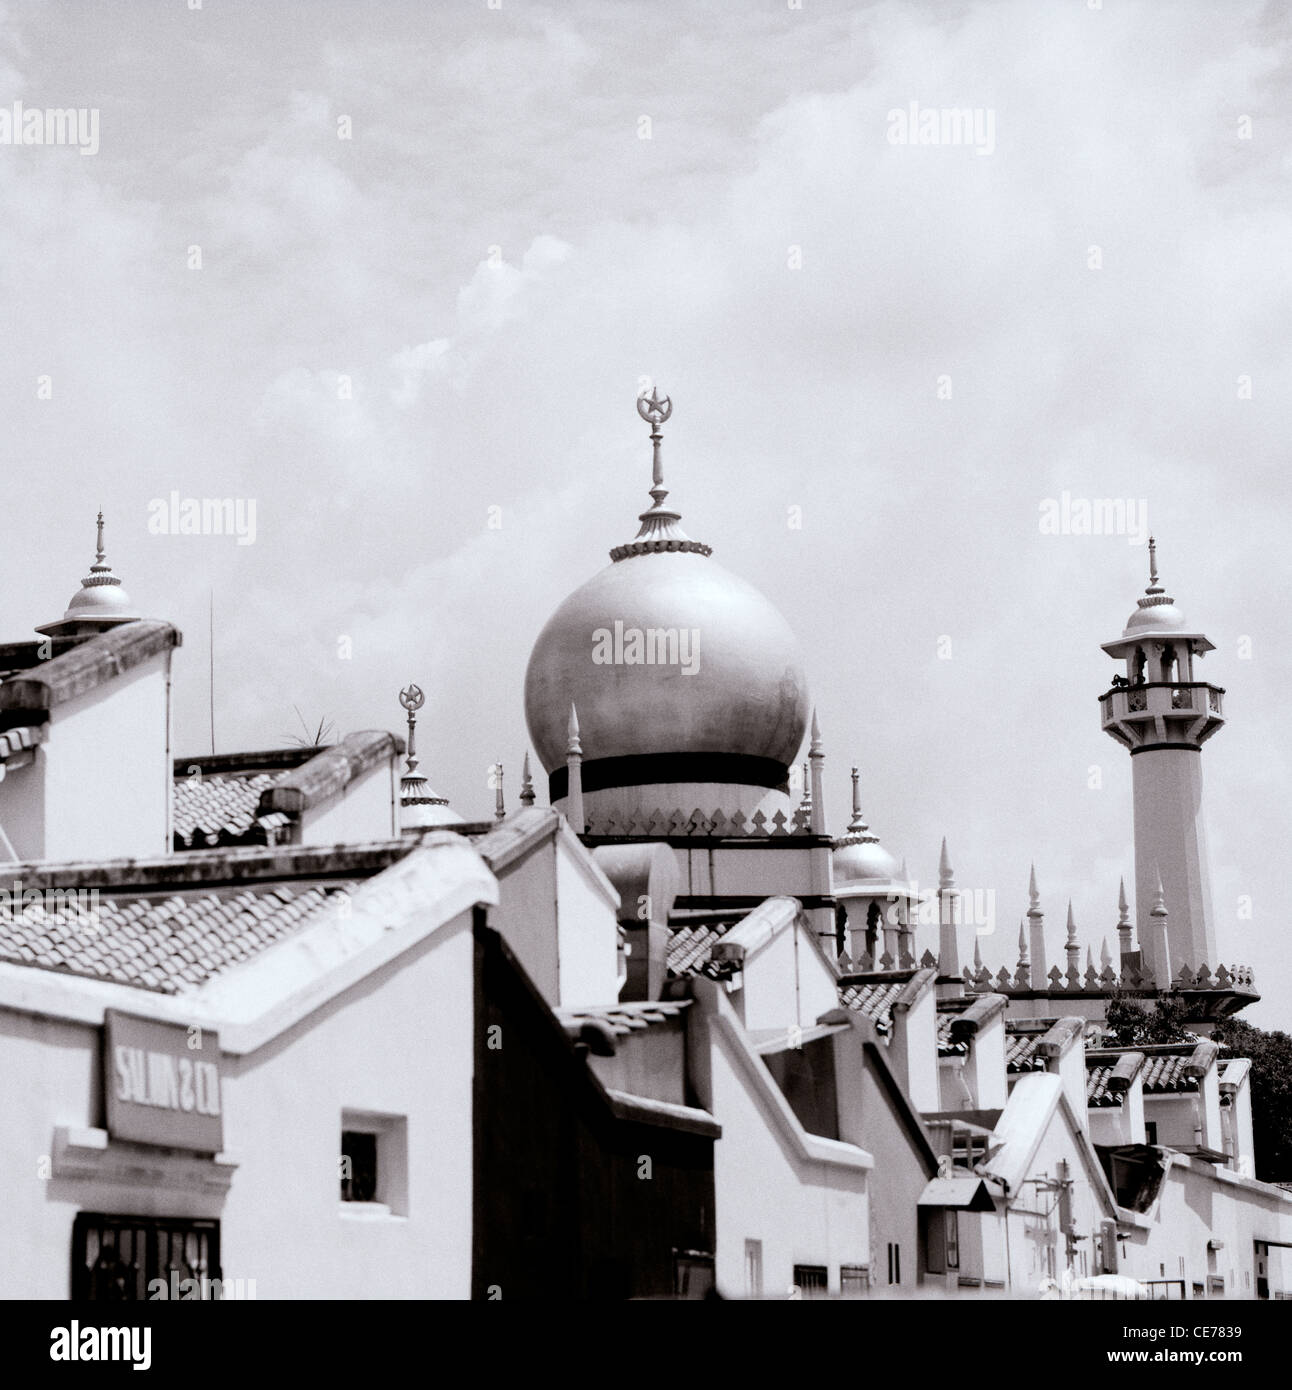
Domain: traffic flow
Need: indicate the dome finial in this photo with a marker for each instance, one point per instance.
(412, 700)
(1153, 586)
(420, 806)
(655, 411)
(526, 783)
(98, 559)
(659, 524)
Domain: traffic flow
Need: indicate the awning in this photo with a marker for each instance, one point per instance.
(967, 1194)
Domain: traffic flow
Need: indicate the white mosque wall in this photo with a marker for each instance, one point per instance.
(786, 982)
(587, 927)
(377, 1050)
(365, 809)
(804, 1198)
(100, 784)
(1203, 1206)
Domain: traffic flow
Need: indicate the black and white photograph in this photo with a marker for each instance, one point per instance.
(645, 658)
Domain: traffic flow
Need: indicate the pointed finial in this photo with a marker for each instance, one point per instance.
(412, 700)
(659, 524)
(946, 875)
(572, 734)
(1152, 566)
(977, 954)
(857, 825)
(526, 783)
(816, 749)
(1090, 959)
(655, 409)
(1105, 956)
(1123, 907)
(1159, 897)
(1032, 892)
(1022, 941)
(1072, 927)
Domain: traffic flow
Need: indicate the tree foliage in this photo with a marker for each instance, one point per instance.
(1134, 1025)
(1271, 1083)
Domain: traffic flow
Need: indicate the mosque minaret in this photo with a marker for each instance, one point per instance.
(1163, 715)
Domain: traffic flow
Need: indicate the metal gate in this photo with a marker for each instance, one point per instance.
(117, 1259)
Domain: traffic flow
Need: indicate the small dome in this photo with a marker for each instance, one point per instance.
(99, 602)
(864, 861)
(1160, 616)
(100, 596)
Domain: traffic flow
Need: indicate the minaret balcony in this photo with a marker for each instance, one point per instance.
(1183, 712)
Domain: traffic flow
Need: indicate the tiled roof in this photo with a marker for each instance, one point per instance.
(874, 999)
(172, 945)
(1166, 1075)
(1097, 1092)
(20, 740)
(222, 810)
(1021, 1050)
(947, 1048)
(689, 947)
(623, 1019)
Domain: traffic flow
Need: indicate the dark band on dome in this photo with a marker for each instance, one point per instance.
(642, 769)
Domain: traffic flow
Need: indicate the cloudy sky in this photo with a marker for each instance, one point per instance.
(392, 270)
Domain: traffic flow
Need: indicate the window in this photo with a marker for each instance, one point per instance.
(373, 1166)
(854, 1280)
(1150, 1133)
(119, 1259)
(754, 1268)
(692, 1273)
(358, 1166)
(894, 1263)
(812, 1281)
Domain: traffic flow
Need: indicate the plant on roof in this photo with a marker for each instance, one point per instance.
(321, 734)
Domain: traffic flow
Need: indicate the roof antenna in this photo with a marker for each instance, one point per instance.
(210, 646)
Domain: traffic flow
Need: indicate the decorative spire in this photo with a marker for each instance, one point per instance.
(659, 524)
(1159, 898)
(977, 954)
(948, 929)
(1071, 946)
(414, 790)
(574, 772)
(857, 825)
(1023, 971)
(499, 808)
(1036, 924)
(1155, 594)
(526, 783)
(1153, 586)
(412, 700)
(1105, 956)
(1123, 919)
